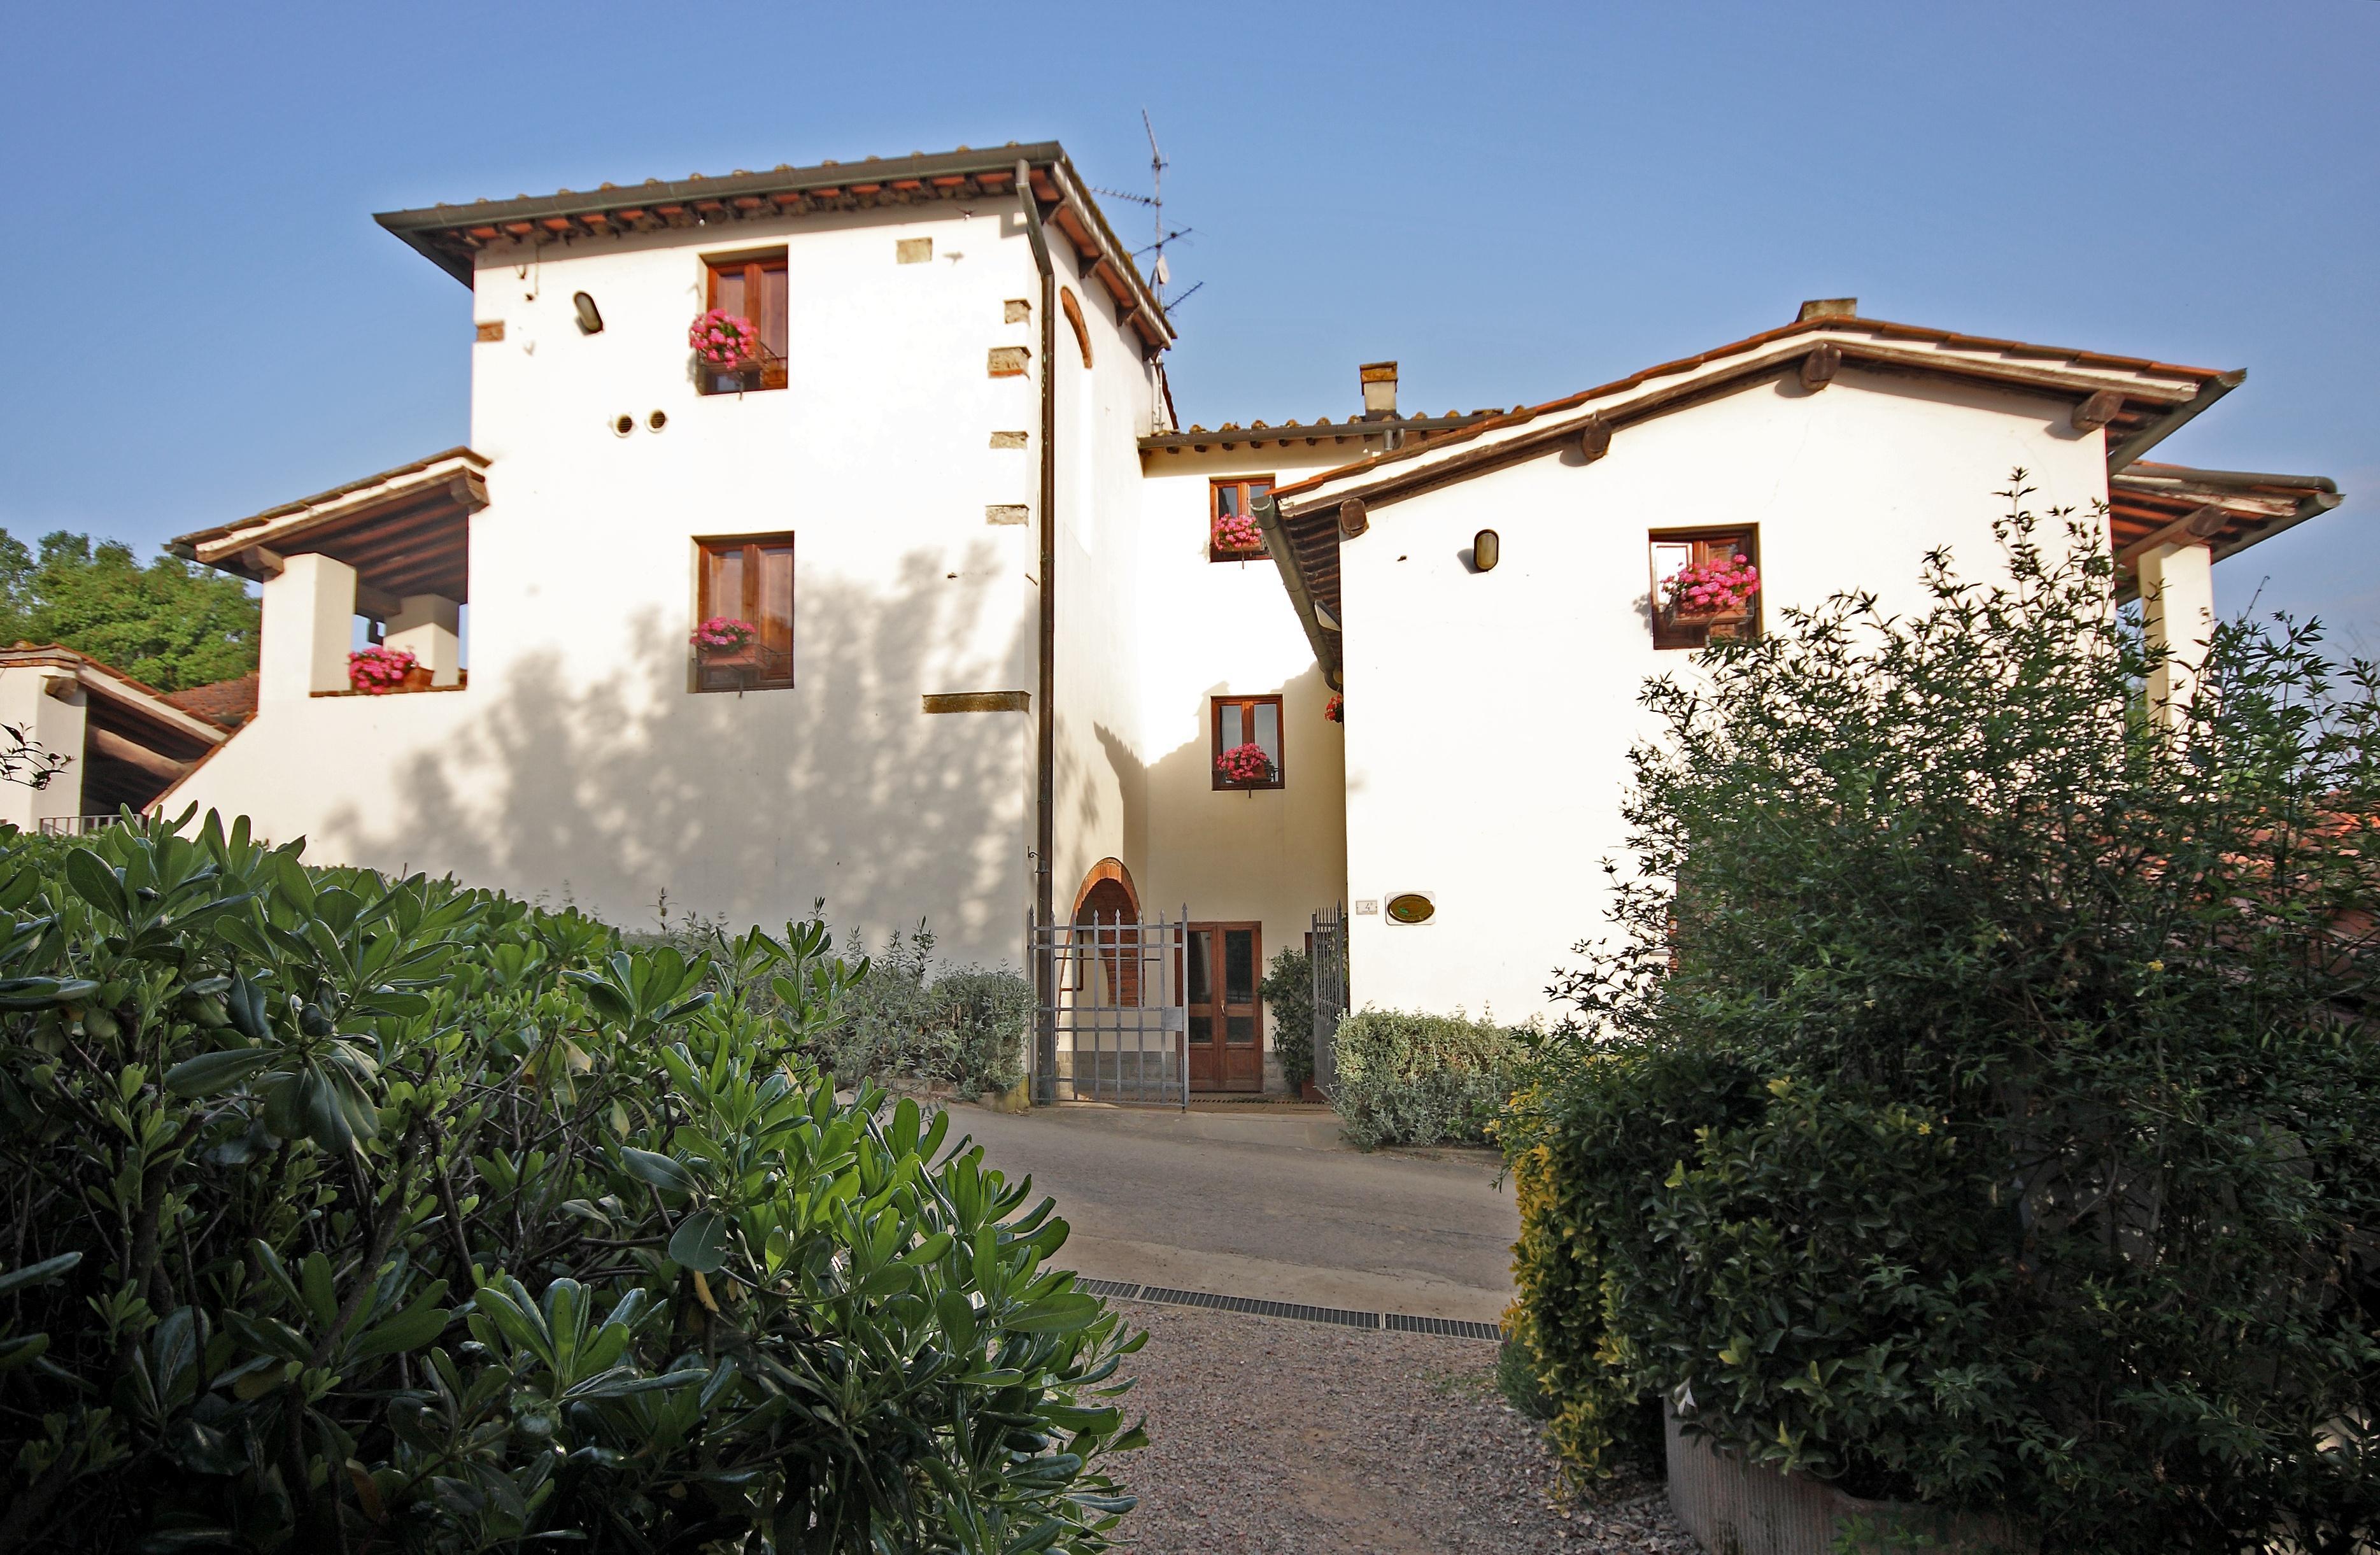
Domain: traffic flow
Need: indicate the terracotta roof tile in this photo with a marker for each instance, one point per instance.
(226, 702)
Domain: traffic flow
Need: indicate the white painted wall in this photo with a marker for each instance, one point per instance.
(1227, 628)
(1102, 763)
(578, 761)
(1491, 714)
(55, 724)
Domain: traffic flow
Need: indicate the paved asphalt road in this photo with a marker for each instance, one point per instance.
(1263, 1202)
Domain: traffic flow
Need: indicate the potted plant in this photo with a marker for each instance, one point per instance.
(379, 669)
(1237, 532)
(725, 640)
(723, 340)
(1716, 592)
(1335, 710)
(1245, 766)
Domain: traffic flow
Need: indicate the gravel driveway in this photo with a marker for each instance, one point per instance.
(1300, 1439)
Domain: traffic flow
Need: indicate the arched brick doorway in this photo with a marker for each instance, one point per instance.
(1110, 908)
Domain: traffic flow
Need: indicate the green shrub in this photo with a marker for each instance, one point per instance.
(1414, 1079)
(352, 1214)
(1289, 990)
(1980, 1104)
(903, 1020)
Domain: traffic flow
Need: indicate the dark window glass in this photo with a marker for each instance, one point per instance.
(1239, 967)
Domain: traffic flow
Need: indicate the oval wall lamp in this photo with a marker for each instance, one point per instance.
(1485, 551)
(591, 322)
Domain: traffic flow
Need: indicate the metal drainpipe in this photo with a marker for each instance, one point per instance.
(1045, 820)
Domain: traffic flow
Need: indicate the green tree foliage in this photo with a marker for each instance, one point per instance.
(1980, 1102)
(345, 1213)
(169, 623)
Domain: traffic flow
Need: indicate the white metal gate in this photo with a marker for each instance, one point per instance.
(1112, 1024)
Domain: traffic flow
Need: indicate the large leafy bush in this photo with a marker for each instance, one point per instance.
(1288, 989)
(1416, 1079)
(1981, 1103)
(354, 1214)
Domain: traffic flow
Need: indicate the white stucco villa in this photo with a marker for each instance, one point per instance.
(1002, 644)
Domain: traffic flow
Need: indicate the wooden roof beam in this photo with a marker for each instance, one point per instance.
(2097, 410)
(2198, 527)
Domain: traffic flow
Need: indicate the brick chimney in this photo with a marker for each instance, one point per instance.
(1379, 380)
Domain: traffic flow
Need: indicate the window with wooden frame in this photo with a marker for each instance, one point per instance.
(1248, 742)
(752, 286)
(1232, 532)
(747, 579)
(1672, 551)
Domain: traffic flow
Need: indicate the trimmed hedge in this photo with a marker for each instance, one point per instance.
(1416, 1079)
(347, 1213)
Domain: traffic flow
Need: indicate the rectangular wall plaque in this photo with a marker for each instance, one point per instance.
(978, 701)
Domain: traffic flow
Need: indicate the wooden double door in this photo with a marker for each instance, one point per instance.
(1226, 1013)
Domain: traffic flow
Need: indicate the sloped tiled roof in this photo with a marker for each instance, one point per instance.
(1258, 434)
(453, 236)
(2142, 401)
(227, 703)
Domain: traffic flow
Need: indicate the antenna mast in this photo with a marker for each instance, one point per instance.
(1156, 206)
(1160, 274)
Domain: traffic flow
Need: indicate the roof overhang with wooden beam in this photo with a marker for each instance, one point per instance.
(135, 742)
(2226, 510)
(2137, 402)
(454, 236)
(405, 531)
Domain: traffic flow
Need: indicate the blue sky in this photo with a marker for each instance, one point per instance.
(200, 319)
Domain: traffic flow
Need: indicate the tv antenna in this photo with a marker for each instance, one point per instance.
(1160, 274)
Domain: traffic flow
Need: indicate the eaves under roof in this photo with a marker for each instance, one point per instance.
(2229, 510)
(453, 236)
(2138, 401)
(404, 531)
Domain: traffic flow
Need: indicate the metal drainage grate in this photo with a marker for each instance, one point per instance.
(1452, 1327)
(1399, 1323)
(1264, 1308)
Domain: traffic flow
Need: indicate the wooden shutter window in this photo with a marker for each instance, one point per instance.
(1234, 498)
(749, 577)
(754, 287)
(1669, 550)
(1255, 720)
